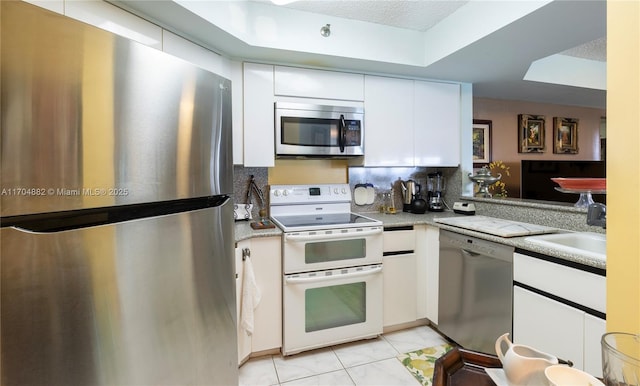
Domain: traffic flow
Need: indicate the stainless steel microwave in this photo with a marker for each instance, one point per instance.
(306, 130)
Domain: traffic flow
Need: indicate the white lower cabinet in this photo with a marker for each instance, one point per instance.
(594, 328)
(548, 325)
(430, 275)
(410, 271)
(399, 297)
(244, 340)
(399, 276)
(265, 255)
(551, 315)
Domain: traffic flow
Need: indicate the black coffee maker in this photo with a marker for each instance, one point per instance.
(435, 187)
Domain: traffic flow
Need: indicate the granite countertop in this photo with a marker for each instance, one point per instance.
(244, 231)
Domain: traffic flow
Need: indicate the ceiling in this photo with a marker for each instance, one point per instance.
(559, 47)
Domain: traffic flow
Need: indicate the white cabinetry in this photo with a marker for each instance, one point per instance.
(319, 84)
(244, 340)
(266, 261)
(388, 109)
(436, 124)
(411, 123)
(399, 276)
(258, 115)
(553, 307)
(432, 259)
(548, 325)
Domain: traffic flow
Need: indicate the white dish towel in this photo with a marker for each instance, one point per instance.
(251, 296)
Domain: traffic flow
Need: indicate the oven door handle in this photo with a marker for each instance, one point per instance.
(324, 236)
(302, 280)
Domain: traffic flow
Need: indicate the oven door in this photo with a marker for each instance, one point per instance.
(331, 307)
(307, 130)
(331, 248)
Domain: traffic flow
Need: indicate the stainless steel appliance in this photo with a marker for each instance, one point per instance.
(435, 186)
(117, 228)
(475, 296)
(332, 267)
(411, 193)
(306, 130)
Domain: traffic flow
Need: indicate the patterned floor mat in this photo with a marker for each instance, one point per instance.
(421, 362)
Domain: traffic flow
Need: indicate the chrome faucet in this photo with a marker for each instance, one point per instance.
(597, 215)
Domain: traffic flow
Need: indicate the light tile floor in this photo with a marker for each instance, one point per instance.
(368, 362)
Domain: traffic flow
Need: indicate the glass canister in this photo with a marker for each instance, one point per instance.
(621, 359)
(388, 204)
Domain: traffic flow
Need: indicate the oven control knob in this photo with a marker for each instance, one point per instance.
(335, 190)
(344, 190)
(276, 193)
(285, 192)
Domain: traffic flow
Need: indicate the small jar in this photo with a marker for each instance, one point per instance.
(388, 206)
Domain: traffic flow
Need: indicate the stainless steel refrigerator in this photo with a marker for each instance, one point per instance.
(117, 227)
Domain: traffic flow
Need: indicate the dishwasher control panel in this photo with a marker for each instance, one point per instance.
(476, 245)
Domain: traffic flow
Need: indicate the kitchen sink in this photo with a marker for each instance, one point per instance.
(585, 243)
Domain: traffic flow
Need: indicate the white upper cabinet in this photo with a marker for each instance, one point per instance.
(237, 118)
(411, 122)
(407, 122)
(258, 115)
(388, 121)
(436, 124)
(318, 84)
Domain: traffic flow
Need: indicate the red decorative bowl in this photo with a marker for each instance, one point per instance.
(581, 183)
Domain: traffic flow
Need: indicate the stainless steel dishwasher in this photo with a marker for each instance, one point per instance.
(475, 290)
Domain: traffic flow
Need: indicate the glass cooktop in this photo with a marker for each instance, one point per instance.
(300, 222)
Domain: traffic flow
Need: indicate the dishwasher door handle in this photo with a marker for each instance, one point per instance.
(470, 253)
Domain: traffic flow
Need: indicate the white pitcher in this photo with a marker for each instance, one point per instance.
(523, 365)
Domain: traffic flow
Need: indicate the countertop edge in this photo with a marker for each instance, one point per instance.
(244, 231)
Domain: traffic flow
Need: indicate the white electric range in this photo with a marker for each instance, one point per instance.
(332, 267)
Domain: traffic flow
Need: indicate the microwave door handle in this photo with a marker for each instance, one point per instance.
(342, 133)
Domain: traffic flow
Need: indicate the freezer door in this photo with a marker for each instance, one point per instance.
(142, 302)
(90, 119)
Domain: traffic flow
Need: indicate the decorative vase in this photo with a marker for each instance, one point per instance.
(484, 179)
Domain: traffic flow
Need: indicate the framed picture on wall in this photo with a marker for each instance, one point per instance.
(565, 135)
(481, 142)
(531, 133)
